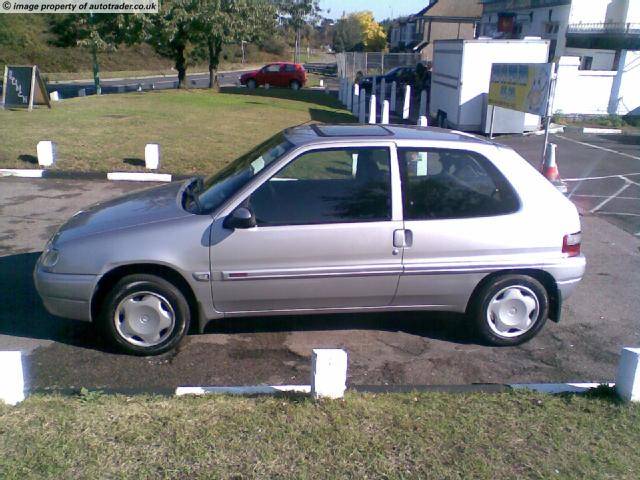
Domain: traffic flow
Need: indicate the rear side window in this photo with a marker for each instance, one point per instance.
(441, 184)
(327, 186)
(289, 68)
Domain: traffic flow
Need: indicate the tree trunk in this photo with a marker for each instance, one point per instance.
(96, 68)
(181, 66)
(215, 47)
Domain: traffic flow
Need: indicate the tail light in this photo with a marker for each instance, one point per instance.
(571, 244)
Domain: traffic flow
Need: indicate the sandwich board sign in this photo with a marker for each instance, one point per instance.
(23, 87)
(521, 86)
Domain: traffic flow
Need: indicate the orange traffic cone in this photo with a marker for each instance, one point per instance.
(550, 168)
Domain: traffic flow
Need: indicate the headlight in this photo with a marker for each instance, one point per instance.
(49, 258)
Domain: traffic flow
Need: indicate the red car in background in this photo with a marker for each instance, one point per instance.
(281, 74)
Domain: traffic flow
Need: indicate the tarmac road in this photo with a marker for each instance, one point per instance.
(407, 348)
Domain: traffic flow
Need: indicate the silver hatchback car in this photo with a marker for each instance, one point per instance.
(321, 219)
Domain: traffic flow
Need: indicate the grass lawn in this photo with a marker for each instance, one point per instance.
(199, 130)
(493, 436)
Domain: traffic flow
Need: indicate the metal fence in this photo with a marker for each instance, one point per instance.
(350, 64)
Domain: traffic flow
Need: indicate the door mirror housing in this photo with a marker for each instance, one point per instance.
(241, 217)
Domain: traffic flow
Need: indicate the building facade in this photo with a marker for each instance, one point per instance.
(596, 31)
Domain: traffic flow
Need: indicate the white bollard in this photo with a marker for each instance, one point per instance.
(11, 377)
(374, 86)
(350, 97)
(628, 378)
(82, 92)
(266, 86)
(422, 121)
(55, 96)
(385, 112)
(422, 111)
(394, 97)
(153, 85)
(152, 156)
(383, 90)
(355, 107)
(47, 153)
(328, 373)
(139, 87)
(321, 83)
(362, 108)
(372, 109)
(407, 102)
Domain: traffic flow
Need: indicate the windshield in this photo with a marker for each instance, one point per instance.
(220, 186)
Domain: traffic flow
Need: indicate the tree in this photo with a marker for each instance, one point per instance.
(173, 33)
(99, 33)
(359, 31)
(297, 14)
(221, 22)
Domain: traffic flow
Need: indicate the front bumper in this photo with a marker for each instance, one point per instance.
(65, 295)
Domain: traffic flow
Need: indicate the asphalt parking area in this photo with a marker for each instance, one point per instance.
(398, 348)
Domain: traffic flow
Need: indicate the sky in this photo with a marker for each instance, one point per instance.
(381, 8)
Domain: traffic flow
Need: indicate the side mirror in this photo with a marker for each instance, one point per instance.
(241, 217)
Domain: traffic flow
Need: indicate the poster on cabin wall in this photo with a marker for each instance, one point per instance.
(521, 86)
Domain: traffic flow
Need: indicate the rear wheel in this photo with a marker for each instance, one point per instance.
(145, 315)
(295, 85)
(251, 84)
(510, 310)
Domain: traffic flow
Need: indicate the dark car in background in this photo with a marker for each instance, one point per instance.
(280, 74)
(401, 75)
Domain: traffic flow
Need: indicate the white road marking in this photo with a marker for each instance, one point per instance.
(580, 179)
(604, 196)
(611, 197)
(598, 147)
(621, 214)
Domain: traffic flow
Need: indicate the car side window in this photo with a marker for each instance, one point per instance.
(441, 184)
(289, 68)
(272, 68)
(327, 186)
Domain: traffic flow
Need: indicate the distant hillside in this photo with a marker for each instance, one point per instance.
(27, 39)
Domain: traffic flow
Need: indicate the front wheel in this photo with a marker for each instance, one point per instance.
(251, 84)
(295, 85)
(145, 315)
(510, 310)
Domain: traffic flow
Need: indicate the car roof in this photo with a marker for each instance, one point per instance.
(331, 133)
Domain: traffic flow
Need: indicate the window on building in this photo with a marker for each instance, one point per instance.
(586, 63)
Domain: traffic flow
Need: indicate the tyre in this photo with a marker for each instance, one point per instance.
(295, 85)
(510, 310)
(145, 315)
(251, 84)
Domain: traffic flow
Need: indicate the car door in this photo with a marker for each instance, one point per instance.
(324, 237)
(271, 74)
(461, 220)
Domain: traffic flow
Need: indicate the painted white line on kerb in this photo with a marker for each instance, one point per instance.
(598, 147)
(21, 172)
(249, 390)
(139, 177)
(607, 200)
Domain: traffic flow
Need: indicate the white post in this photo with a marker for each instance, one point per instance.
(152, 156)
(385, 112)
(349, 96)
(55, 96)
(407, 102)
(628, 378)
(328, 373)
(422, 121)
(47, 153)
(321, 83)
(356, 99)
(362, 108)
(372, 109)
(374, 86)
(422, 112)
(394, 99)
(383, 91)
(12, 378)
(139, 87)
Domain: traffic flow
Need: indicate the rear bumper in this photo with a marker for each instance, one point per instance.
(65, 295)
(567, 275)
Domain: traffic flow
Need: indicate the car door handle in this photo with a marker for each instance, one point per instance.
(402, 238)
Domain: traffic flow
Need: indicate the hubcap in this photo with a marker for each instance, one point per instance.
(144, 319)
(513, 311)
